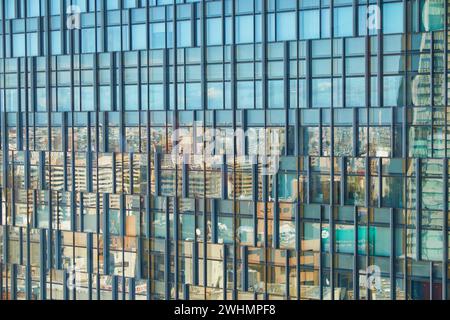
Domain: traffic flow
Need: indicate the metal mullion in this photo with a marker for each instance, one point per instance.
(65, 144)
(139, 97)
(432, 63)
(195, 254)
(26, 125)
(276, 214)
(368, 256)
(298, 152)
(89, 182)
(405, 89)
(1, 282)
(418, 222)
(244, 270)
(42, 258)
(380, 182)
(332, 171)
(129, 33)
(355, 18)
(175, 125)
(9, 41)
(380, 59)
(131, 289)
(224, 45)
(19, 131)
(418, 18)
(355, 129)
(204, 103)
(445, 166)
(368, 85)
(106, 236)
(405, 248)
(298, 240)
(264, 61)
(394, 152)
(286, 79)
(13, 281)
(308, 75)
(255, 200)
(115, 287)
(343, 165)
(89, 264)
(62, 23)
(431, 281)
(355, 254)
(149, 150)
(112, 82)
(97, 244)
(12, 190)
(122, 207)
(149, 187)
(214, 220)
(103, 13)
(445, 92)
(48, 86)
(28, 285)
(233, 107)
(224, 272)
(445, 252)
(167, 251)
(309, 182)
(320, 255)
(51, 230)
(28, 281)
(121, 99)
(344, 73)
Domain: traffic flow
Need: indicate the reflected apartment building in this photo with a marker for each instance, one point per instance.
(94, 207)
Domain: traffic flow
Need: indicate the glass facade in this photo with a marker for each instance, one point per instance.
(352, 93)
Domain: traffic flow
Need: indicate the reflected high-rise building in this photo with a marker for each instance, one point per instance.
(103, 102)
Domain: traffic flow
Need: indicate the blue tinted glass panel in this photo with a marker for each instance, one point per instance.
(244, 29)
(343, 22)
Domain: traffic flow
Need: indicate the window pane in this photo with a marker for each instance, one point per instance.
(244, 29)
(355, 95)
(215, 96)
(245, 95)
(156, 97)
(184, 37)
(193, 96)
(343, 22)
(276, 94)
(214, 31)
(87, 40)
(310, 24)
(139, 36)
(157, 35)
(321, 93)
(393, 17)
(285, 31)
